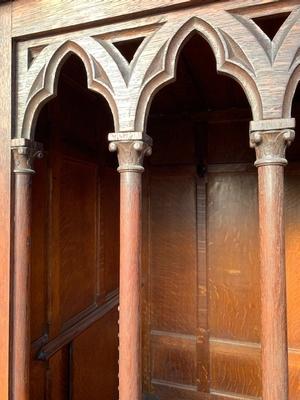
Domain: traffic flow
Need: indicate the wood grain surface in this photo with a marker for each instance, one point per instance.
(5, 189)
(201, 307)
(75, 248)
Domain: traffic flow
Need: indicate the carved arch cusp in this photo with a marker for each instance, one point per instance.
(103, 76)
(162, 70)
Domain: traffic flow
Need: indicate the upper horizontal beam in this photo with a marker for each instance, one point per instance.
(32, 17)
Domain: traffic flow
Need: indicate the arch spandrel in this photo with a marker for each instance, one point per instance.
(274, 79)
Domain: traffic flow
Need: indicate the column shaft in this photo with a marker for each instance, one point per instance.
(21, 287)
(270, 146)
(273, 283)
(130, 272)
(130, 155)
(24, 152)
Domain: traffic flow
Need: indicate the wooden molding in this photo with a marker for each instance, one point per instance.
(67, 336)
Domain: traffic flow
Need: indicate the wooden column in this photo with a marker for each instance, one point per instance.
(130, 156)
(270, 148)
(24, 151)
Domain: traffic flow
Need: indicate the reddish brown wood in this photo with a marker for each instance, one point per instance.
(67, 336)
(21, 325)
(130, 155)
(5, 199)
(273, 283)
(130, 318)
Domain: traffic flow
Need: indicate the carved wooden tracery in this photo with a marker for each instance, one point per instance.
(267, 70)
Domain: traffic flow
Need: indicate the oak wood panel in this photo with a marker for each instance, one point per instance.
(166, 392)
(39, 258)
(202, 283)
(39, 275)
(173, 269)
(227, 144)
(233, 256)
(77, 232)
(294, 374)
(38, 379)
(58, 376)
(95, 360)
(109, 220)
(292, 215)
(5, 185)
(176, 243)
(235, 368)
(174, 358)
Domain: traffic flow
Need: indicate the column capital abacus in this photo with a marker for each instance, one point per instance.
(24, 153)
(270, 141)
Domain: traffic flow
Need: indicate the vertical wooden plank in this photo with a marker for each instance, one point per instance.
(202, 292)
(5, 134)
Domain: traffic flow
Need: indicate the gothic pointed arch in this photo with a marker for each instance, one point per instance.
(42, 77)
(231, 60)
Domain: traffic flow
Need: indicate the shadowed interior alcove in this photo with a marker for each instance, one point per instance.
(201, 272)
(75, 246)
(201, 297)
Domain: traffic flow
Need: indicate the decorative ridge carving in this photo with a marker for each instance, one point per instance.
(270, 146)
(284, 30)
(131, 154)
(271, 47)
(258, 33)
(235, 53)
(24, 153)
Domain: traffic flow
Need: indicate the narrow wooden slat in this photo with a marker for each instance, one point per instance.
(52, 347)
(202, 294)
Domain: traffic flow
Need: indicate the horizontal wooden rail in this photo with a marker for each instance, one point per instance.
(54, 345)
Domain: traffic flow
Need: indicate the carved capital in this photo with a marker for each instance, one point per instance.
(131, 154)
(270, 145)
(24, 153)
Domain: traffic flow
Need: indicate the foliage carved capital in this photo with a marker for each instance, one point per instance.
(131, 154)
(24, 153)
(270, 146)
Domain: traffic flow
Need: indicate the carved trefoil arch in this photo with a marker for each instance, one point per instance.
(104, 76)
